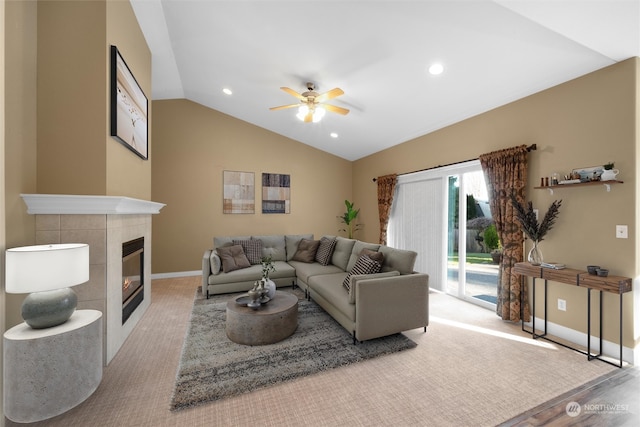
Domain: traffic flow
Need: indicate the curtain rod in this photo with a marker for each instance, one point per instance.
(530, 148)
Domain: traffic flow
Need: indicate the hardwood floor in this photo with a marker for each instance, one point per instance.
(613, 400)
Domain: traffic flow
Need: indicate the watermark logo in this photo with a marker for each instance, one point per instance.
(573, 409)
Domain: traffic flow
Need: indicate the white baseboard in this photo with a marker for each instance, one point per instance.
(176, 274)
(609, 349)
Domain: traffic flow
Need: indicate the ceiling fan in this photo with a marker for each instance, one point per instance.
(311, 107)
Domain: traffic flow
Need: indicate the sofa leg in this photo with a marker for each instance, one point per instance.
(207, 293)
(425, 329)
(354, 338)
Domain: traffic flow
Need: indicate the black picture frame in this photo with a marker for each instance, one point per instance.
(129, 107)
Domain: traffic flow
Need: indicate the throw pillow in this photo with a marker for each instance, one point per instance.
(216, 263)
(233, 258)
(376, 256)
(364, 265)
(325, 250)
(306, 250)
(252, 249)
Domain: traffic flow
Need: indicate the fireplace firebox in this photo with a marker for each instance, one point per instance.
(132, 276)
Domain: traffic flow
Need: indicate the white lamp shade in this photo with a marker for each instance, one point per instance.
(46, 267)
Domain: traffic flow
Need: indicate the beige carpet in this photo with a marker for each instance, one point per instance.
(470, 368)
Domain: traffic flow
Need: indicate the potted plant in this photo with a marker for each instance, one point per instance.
(348, 218)
(534, 230)
(609, 173)
(268, 267)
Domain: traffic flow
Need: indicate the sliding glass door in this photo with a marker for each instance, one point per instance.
(443, 214)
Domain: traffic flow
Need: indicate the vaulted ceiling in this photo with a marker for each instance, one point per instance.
(378, 52)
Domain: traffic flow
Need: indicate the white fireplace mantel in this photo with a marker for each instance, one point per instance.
(65, 204)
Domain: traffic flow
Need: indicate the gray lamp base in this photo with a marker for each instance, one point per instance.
(46, 309)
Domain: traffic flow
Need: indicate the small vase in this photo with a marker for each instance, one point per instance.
(270, 286)
(609, 174)
(535, 256)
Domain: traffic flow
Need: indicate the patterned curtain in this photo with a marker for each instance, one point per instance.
(505, 174)
(386, 188)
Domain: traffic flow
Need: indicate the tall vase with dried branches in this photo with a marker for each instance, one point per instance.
(534, 230)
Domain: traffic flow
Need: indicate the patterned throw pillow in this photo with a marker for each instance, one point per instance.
(233, 258)
(364, 265)
(325, 250)
(252, 249)
(306, 250)
(376, 256)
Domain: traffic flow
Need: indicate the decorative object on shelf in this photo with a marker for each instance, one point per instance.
(593, 269)
(609, 173)
(129, 104)
(268, 284)
(602, 272)
(591, 173)
(348, 218)
(51, 301)
(534, 230)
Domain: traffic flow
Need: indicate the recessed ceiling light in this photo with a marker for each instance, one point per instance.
(333, 135)
(436, 69)
(227, 91)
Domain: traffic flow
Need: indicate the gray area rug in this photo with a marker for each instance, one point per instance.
(212, 367)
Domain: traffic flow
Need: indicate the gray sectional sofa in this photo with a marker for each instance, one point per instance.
(393, 300)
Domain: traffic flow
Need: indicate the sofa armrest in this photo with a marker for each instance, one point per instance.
(206, 269)
(390, 305)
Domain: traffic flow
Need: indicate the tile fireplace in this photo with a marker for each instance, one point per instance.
(111, 226)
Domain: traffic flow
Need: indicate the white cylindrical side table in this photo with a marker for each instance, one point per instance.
(49, 371)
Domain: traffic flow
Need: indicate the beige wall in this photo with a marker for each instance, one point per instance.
(585, 122)
(20, 131)
(126, 173)
(3, 246)
(76, 154)
(193, 145)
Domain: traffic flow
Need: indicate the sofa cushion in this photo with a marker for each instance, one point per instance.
(233, 258)
(325, 250)
(364, 265)
(283, 275)
(398, 259)
(342, 252)
(219, 242)
(355, 278)
(329, 287)
(216, 263)
(274, 247)
(252, 249)
(304, 271)
(356, 251)
(291, 243)
(306, 250)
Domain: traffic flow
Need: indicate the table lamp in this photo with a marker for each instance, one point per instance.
(46, 272)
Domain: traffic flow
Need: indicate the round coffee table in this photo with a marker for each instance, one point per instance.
(268, 324)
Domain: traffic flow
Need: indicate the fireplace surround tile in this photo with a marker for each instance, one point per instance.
(105, 222)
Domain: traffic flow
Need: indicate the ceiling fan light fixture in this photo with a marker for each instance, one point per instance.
(302, 112)
(318, 114)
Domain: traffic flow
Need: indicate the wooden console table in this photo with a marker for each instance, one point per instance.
(614, 284)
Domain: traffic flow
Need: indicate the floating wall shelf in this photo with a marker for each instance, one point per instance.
(607, 185)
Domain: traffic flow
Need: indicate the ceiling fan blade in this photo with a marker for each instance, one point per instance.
(282, 107)
(309, 117)
(329, 95)
(293, 93)
(335, 109)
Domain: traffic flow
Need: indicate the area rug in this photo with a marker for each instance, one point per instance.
(212, 367)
